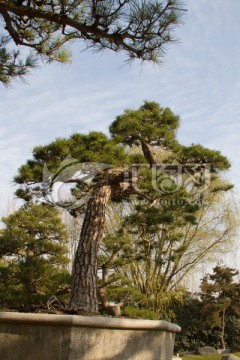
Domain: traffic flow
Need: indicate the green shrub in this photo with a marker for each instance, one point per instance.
(141, 313)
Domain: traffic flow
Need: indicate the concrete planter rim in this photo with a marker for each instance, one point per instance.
(88, 321)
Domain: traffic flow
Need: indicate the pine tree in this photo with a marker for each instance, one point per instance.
(221, 298)
(33, 256)
(149, 128)
(11, 65)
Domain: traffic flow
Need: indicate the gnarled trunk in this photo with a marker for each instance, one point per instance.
(84, 285)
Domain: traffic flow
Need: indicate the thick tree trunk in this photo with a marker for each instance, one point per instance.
(84, 285)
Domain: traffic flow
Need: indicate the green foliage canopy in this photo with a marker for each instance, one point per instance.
(221, 298)
(160, 216)
(33, 256)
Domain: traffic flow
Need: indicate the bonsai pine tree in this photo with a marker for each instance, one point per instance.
(149, 129)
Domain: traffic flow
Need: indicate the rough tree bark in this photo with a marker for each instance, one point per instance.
(84, 285)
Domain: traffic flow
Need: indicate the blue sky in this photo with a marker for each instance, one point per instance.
(200, 81)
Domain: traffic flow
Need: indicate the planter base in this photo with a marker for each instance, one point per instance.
(71, 337)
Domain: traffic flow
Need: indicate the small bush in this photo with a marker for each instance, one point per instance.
(141, 313)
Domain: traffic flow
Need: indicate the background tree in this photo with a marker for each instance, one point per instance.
(139, 28)
(156, 262)
(195, 332)
(221, 298)
(211, 317)
(148, 128)
(33, 257)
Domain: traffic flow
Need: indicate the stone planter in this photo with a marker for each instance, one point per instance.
(72, 337)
